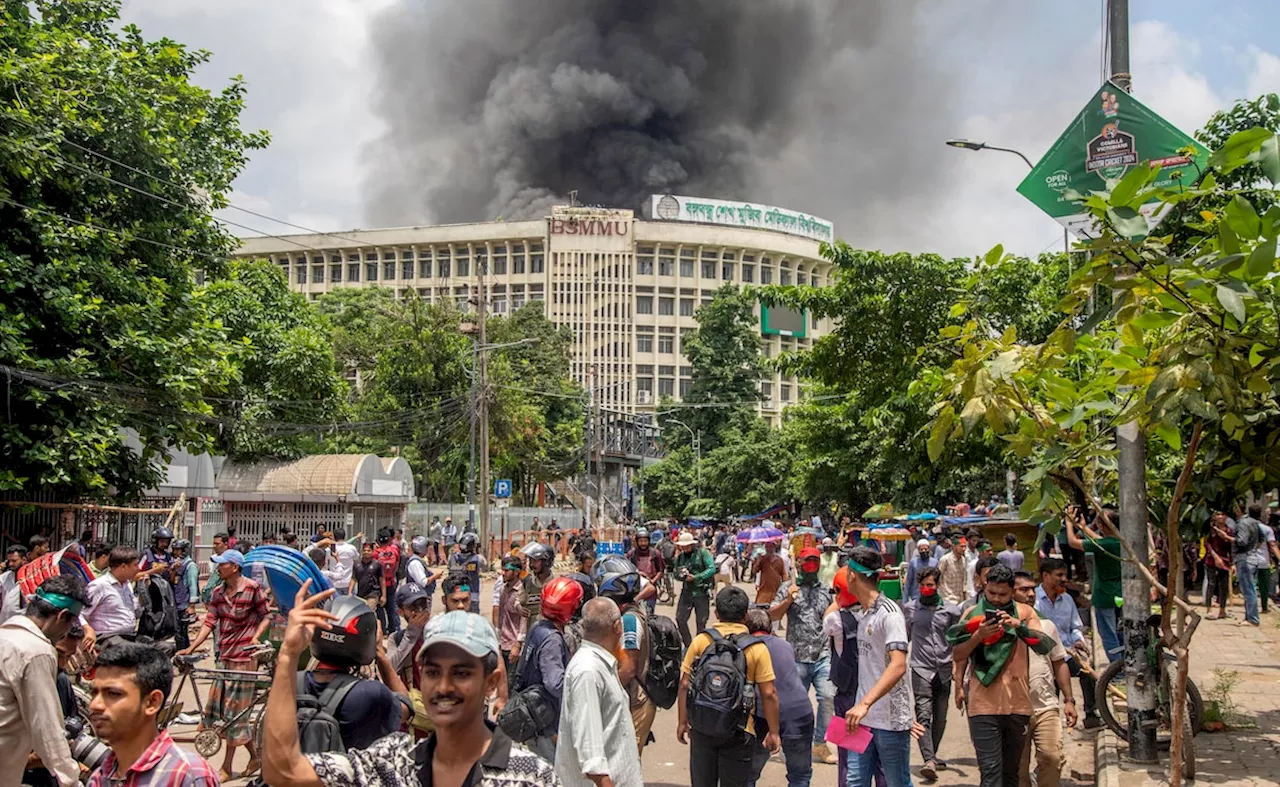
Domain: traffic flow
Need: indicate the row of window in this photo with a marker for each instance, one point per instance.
(387, 271)
(668, 385)
(666, 267)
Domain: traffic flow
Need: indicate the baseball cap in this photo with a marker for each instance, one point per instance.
(410, 592)
(230, 556)
(466, 630)
(810, 553)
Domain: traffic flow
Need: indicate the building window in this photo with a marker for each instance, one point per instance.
(500, 305)
(517, 262)
(424, 269)
(371, 256)
(371, 271)
(766, 391)
(644, 344)
(536, 263)
(644, 304)
(686, 307)
(666, 344)
(708, 270)
(686, 268)
(388, 271)
(666, 387)
(766, 275)
(686, 387)
(726, 271)
(464, 264)
(666, 266)
(353, 272)
(644, 266)
(784, 392)
(748, 273)
(666, 306)
(406, 270)
(335, 273)
(500, 263)
(317, 274)
(407, 254)
(300, 274)
(644, 384)
(666, 370)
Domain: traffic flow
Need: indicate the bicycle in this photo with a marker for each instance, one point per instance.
(666, 590)
(208, 741)
(1113, 703)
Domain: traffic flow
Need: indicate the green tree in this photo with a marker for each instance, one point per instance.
(99, 324)
(357, 318)
(724, 352)
(285, 372)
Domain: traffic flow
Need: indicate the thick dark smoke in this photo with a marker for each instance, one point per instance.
(501, 107)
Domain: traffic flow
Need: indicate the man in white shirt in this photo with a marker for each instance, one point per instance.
(597, 740)
(113, 608)
(340, 561)
(30, 714)
(1046, 673)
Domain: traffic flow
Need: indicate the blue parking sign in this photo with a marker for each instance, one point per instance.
(502, 487)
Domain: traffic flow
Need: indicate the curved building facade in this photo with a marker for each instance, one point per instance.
(628, 287)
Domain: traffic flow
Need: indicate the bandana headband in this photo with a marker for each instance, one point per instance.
(60, 601)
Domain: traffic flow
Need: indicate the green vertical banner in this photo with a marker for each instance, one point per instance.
(1112, 133)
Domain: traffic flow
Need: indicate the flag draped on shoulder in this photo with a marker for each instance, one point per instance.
(991, 656)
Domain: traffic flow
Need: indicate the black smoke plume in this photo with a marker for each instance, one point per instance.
(499, 108)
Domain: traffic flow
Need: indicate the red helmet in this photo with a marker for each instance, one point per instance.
(560, 599)
(845, 597)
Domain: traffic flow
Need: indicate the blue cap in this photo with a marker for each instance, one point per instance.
(466, 630)
(230, 556)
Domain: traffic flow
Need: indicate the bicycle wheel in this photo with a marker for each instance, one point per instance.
(1113, 703)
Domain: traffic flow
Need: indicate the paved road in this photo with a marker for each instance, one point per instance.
(666, 762)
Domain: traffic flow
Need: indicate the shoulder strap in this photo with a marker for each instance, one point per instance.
(716, 636)
(337, 690)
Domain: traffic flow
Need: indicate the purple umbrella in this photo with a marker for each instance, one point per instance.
(757, 535)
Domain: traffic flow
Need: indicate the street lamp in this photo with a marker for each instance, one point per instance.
(697, 453)
(968, 144)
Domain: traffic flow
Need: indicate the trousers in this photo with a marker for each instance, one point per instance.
(817, 674)
(797, 755)
(931, 710)
(888, 755)
(1045, 732)
(1247, 575)
(719, 762)
(688, 603)
(998, 742)
(1108, 633)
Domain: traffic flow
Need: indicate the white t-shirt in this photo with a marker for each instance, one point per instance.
(1044, 695)
(416, 570)
(883, 629)
(725, 564)
(338, 566)
(833, 630)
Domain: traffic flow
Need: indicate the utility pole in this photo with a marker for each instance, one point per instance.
(475, 419)
(482, 406)
(1132, 465)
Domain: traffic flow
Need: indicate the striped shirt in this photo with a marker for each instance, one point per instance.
(236, 617)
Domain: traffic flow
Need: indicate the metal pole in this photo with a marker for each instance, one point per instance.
(1132, 467)
(475, 411)
(697, 464)
(482, 373)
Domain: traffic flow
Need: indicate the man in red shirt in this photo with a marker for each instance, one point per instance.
(240, 613)
(387, 552)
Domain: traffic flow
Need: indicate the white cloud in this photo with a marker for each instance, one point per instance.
(1163, 81)
(1264, 75)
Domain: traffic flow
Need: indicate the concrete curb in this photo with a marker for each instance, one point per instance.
(1106, 759)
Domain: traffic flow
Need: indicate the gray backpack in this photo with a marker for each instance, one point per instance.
(318, 727)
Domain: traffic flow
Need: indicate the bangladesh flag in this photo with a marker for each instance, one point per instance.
(990, 657)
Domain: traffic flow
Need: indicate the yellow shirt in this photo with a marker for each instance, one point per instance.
(759, 664)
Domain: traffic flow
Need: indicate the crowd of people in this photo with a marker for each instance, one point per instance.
(559, 679)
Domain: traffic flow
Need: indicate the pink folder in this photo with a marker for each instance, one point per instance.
(838, 733)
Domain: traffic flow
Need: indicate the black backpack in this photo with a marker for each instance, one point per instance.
(721, 699)
(159, 618)
(318, 727)
(666, 651)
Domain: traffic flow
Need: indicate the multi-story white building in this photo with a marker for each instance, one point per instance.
(628, 287)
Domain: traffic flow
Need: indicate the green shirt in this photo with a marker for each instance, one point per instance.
(702, 570)
(1106, 566)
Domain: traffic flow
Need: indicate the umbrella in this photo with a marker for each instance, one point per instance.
(52, 564)
(757, 535)
(879, 511)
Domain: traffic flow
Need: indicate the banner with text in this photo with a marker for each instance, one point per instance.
(668, 207)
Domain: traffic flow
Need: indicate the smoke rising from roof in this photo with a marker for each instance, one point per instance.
(498, 108)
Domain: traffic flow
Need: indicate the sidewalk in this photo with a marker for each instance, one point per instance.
(1248, 752)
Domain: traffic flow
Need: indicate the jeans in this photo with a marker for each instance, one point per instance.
(795, 752)
(931, 711)
(688, 603)
(998, 742)
(182, 637)
(1045, 730)
(719, 762)
(890, 752)
(389, 615)
(1265, 581)
(1106, 621)
(1247, 575)
(817, 674)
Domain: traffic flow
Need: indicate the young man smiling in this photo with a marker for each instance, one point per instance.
(459, 661)
(130, 685)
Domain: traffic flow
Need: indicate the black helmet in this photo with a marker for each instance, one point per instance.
(352, 639)
(468, 542)
(162, 532)
(622, 588)
(588, 589)
(184, 545)
(537, 551)
(611, 565)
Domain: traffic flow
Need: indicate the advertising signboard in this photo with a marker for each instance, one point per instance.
(669, 207)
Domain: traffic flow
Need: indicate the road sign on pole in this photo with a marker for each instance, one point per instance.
(1112, 133)
(502, 487)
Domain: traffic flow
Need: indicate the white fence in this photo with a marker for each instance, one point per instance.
(502, 521)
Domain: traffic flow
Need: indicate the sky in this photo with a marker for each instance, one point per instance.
(1019, 73)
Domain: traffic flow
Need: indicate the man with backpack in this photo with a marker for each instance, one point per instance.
(540, 672)
(541, 559)
(338, 709)
(469, 561)
(1247, 533)
(387, 552)
(648, 561)
(840, 629)
(715, 706)
(795, 712)
(416, 570)
(185, 576)
(693, 567)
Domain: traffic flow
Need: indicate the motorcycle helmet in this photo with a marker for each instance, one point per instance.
(537, 551)
(845, 597)
(419, 545)
(622, 588)
(641, 533)
(182, 545)
(611, 565)
(162, 533)
(351, 640)
(561, 598)
(469, 542)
